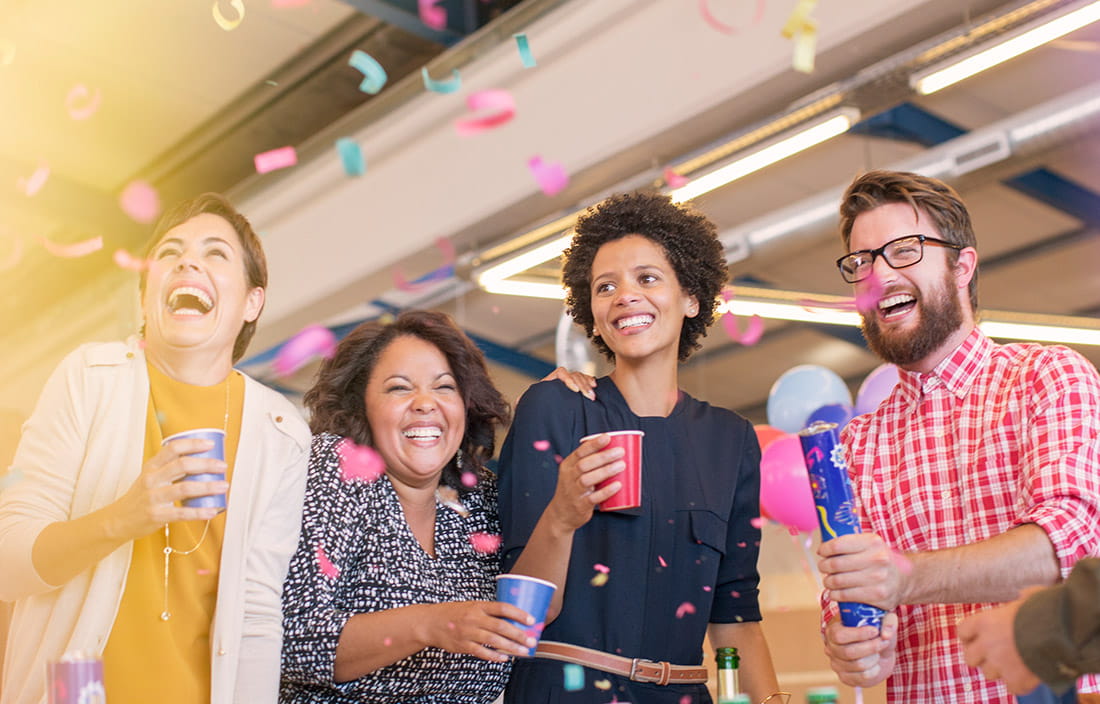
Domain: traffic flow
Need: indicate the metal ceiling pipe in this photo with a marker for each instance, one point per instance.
(999, 147)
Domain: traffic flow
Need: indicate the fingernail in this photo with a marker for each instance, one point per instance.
(531, 642)
(530, 620)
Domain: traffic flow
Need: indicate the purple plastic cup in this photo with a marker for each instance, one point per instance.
(217, 436)
(531, 594)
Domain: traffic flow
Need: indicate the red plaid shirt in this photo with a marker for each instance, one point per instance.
(996, 436)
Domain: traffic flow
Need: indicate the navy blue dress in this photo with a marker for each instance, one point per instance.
(686, 557)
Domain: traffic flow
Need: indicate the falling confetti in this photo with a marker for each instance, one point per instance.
(662, 561)
(469, 480)
(227, 24)
(542, 445)
(803, 30)
(685, 608)
(32, 185)
(550, 176)
(311, 342)
(686, 699)
(673, 179)
(709, 18)
(82, 103)
(603, 685)
(140, 201)
(867, 299)
(127, 261)
(450, 85)
(573, 677)
(485, 543)
(275, 159)
(706, 587)
(753, 331)
(601, 568)
(758, 522)
(498, 106)
(359, 463)
(74, 250)
(202, 572)
(387, 642)
(432, 15)
(443, 272)
(374, 76)
(325, 565)
(524, 48)
(351, 156)
(599, 579)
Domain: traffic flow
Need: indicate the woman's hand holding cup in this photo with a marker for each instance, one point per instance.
(480, 628)
(577, 495)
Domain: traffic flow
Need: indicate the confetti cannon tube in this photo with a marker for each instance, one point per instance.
(836, 512)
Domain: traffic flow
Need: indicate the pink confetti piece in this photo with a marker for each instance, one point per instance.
(662, 561)
(469, 480)
(485, 543)
(550, 176)
(275, 159)
(227, 24)
(140, 201)
(82, 103)
(557, 459)
(673, 179)
(14, 256)
(311, 342)
(33, 184)
(684, 609)
(758, 522)
(432, 15)
(359, 463)
(541, 445)
(706, 587)
(498, 106)
(735, 594)
(127, 261)
(867, 299)
(441, 273)
(202, 572)
(753, 331)
(686, 699)
(325, 565)
(74, 250)
(709, 18)
(601, 568)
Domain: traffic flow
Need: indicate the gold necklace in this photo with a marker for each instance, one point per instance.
(168, 549)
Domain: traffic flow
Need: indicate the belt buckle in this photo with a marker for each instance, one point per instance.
(634, 668)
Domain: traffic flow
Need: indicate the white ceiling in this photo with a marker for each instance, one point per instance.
(622, 88)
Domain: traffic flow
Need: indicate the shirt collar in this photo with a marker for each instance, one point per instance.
(956, 372)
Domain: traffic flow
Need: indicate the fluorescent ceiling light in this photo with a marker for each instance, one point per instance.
(792, 311)
(522, 262)
(1008, 46)
(532, 289)
(807, 135)
(1040, 333)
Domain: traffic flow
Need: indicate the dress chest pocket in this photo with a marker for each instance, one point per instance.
(708, 528)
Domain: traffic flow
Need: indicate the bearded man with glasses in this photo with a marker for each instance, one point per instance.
(978, 476)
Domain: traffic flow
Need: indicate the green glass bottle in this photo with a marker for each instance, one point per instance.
(728, 687)
(821, 695)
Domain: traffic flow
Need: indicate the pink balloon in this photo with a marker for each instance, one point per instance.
(766, 435)
(785, 485)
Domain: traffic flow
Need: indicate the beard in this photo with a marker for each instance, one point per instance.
(940, 316)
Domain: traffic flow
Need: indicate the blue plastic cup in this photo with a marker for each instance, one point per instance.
(217, 436)
(531, 594)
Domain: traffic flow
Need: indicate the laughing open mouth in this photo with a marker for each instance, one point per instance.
(896, 304)
(189, 300)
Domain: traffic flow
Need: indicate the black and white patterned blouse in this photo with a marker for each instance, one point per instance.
(358, 555)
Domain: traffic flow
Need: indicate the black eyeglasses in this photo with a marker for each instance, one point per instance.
(899, 253)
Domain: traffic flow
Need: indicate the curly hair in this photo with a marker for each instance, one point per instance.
(939, 201)
(688, 239)
(255, 263)
(337, 400)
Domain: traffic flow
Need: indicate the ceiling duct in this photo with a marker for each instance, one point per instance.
(1002, 146)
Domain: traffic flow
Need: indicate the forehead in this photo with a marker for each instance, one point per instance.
(409, 356)
(629, 251)
(875, 228)
(201, 227)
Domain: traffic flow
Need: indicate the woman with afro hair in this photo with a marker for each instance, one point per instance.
(637, 588)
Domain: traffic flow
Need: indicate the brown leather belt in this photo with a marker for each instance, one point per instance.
(637, 669)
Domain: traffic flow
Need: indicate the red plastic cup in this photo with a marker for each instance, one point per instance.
(630, 494)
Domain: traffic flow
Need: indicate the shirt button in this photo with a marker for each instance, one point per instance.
(967, 686)
(946, 495)
(129, 355)
(278, 419)
(221, 651)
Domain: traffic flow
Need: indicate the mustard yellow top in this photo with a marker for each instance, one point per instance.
(148, 659)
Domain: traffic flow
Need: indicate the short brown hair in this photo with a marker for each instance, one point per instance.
(688, 239)
(255, 263)
(337, 401)
(939, 201)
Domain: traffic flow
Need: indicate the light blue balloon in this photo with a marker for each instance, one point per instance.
(802, 390)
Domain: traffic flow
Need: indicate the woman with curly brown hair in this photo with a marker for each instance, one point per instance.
(637, 588)
(390, 594)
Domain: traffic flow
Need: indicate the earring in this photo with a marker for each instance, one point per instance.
(458, 459)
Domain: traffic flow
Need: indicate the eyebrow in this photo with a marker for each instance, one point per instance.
(402, 377)
(209, 240)
(639, 268)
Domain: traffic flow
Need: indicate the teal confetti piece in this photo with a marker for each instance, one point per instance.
(524, 51)
(11, 478)
(374, 76)
(449, 86)
(351, 156)
(574, 677)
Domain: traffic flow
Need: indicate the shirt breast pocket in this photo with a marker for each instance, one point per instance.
(708, 529)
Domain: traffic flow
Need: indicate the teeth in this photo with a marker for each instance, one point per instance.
(895, 300)
(634, 321)
(423, 432)
(197, 293)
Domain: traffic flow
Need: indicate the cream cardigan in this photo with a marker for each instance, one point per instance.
(81, 449)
